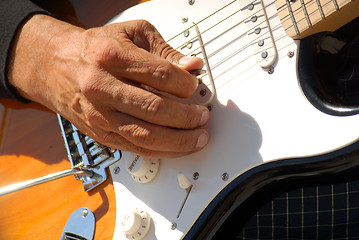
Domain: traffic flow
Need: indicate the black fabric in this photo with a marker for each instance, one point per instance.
(13, 13)
(315, 212)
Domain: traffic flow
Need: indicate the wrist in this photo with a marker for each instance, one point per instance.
(38, 52)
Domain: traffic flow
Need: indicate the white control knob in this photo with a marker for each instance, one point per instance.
(135, 225)
(143, 170)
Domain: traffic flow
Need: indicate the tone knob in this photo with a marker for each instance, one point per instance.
(142, 170)
(136, 225)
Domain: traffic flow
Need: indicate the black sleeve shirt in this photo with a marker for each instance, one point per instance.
(13, 13)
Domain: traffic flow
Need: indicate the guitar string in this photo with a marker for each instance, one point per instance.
(220, 34)
(220, 62)
(275, 28)
(203, 19)
(192, 40)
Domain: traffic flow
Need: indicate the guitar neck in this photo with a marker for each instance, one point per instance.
(302, 18)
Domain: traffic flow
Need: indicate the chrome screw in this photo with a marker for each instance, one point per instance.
(190, 2)
(84, 212)
(225, 176)
(270, 70)
(117, 170)
(184, 20)
(195, 176)
(173, 226)
(290, 54)
(203, 92)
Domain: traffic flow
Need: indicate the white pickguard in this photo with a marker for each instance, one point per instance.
(257, 117)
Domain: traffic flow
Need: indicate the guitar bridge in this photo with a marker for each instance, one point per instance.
(85, 152)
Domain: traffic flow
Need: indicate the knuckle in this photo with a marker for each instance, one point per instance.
(105, 138)
(139, 136)
(93, 117)
(144, 24)
(153, 106)
(104, 51)
(161, 74)
(190, 119)
(98, 50)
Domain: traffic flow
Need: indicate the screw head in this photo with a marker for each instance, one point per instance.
(190, 2)
(203, 92)
(195, 176)
(270, 70)
(116, 170)
(84, 212)
(225, 176)
(290, 54)
(173, 226)
(184, 20)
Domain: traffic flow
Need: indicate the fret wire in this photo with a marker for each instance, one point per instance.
(292, 17)
(305, 13)
(335, 5)
(320, 9)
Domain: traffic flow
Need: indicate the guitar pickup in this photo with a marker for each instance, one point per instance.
(259, 32)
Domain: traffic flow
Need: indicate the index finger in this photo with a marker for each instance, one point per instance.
(155, 71)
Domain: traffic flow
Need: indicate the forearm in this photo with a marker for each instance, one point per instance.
(41, 49)
(13, 13)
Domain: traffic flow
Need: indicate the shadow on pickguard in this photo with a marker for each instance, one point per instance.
(234, 148)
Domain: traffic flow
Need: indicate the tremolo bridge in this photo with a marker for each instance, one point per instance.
(88, 158)
(84, 152)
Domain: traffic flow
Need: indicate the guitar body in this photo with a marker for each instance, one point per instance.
(259, 114)
(31, 147)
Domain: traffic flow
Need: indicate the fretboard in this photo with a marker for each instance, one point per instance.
(301, 18)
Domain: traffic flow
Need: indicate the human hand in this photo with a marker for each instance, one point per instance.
(97, 79)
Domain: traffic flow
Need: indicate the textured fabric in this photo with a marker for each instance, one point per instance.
(317, 212)
(12, 14)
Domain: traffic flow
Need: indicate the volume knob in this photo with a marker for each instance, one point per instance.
(135, 225)
(142, 170)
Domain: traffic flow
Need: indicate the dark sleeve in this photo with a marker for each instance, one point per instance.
(13, 13)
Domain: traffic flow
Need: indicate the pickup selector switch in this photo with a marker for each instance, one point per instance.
(136, 224)
(142, 170)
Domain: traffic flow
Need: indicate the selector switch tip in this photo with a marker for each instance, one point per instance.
(183, 181)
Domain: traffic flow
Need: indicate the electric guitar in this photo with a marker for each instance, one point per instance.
(265, 117)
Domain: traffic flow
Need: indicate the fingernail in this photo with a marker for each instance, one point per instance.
(184, 60)
(204, 117)
(202, 141)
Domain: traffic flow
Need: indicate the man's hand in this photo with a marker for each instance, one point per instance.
(99, 80)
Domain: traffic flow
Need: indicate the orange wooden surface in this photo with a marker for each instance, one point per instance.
(31, 146)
